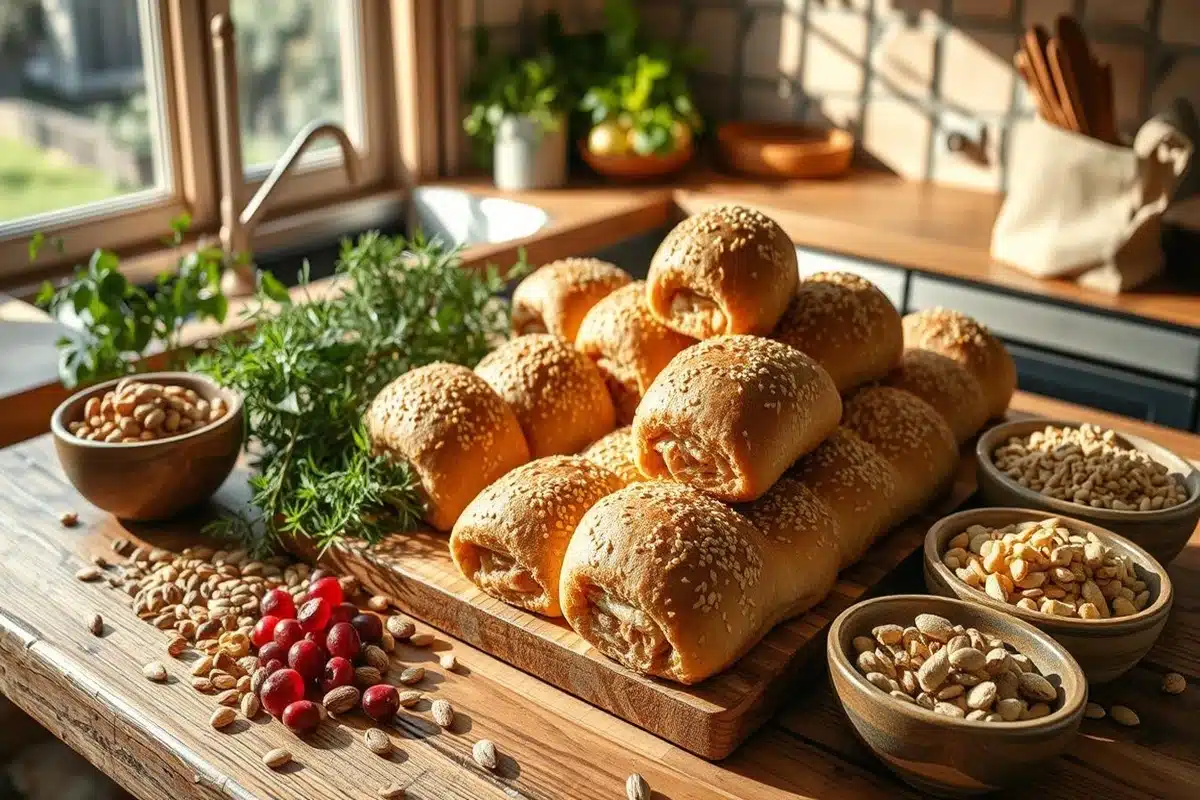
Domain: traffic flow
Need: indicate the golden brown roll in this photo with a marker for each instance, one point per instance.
(628, 345)
(555, 297)
(614, 452)
(670, 582)
(727, 270)
(557, 394)
(453, 429)
(911, 436)
(511, 539)
(845, 324)
(962, 339)
(729, 415)
(946, 385)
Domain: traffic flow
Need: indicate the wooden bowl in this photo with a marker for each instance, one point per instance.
(1163, 533)
(783, 150)
(635, 167)
(1104, 648)
(156, 479)
(943, 755)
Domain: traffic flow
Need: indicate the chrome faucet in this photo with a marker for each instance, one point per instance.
(237, 223)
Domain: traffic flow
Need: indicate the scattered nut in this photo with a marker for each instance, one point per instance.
(400, 628)
(250, 705)
(367, 676)
(377, 742)
(88, 573)
(420, 639)
(636, 788)
(68, 519)
(412, 675)
(276, 758)
(484, 752)
(341, 700)
(222, 717)
(1094, 711)
(155, 671)
(95, 624)
(1126, 716)
(176, 645)
(443, 713)
(410, 698)
(1174, 683)
(379, 602)
(229, 697)
(375, 657)
(448, 661)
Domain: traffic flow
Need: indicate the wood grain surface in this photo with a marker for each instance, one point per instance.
(155, 741)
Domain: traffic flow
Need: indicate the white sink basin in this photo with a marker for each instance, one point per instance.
(461, 218)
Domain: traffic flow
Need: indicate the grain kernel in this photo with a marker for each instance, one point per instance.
(1126, 716)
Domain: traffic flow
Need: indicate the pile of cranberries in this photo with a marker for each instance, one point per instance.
(314, 648)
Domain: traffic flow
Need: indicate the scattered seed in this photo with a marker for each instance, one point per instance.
(379, 602)
(410, 698)
(375, 657)
(443, 713)
(1094, 711)
(412, 675)
(448, 661)
(387, 642)
(250, 705)
(421, 639)
(393, 791)
(68, 519)
(400, 628)
(1125, 716)
(229, 697)
(225, 681)
(203, 666)
(222, 717)
(636, 788)
(155, 671)
(377, 742)
(88, 573)
(276, 758)
(484, 752)
(203, 685)
(95, 624)
(176, 645)
(340, 700)
(100, 561)
(1174, 683)
(367, 676)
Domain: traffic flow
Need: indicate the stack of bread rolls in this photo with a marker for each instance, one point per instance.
(779, 426)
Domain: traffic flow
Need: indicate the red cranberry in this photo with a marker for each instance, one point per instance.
(307, 658)
(272, 651)
(369, 627)
(278, 603)
(343, 641)
(273, 666)
(301, 716)
(338, 672)
(264, 630)
(343, 612)
(381, 702)
(288, 632)
(281, 689)
(328, 589)
(314, 615)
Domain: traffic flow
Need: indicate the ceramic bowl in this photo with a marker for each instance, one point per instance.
(156, 479)
(1162, 533)
(784, 150)
(633, 167)
(942, 755)
(1104, 648)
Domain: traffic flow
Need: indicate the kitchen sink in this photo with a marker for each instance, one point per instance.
(462, 218)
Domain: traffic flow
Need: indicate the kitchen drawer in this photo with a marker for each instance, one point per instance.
(890, 280)
(1102, 387)
(1148, 348)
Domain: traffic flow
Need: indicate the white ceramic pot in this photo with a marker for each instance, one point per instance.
(527, 156)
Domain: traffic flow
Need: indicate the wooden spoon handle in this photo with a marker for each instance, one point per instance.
(1068, 89)
(1106, 115)
(1021, 62)
(1034, 44)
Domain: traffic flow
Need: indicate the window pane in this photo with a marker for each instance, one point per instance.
(79, 105)
(294, 66)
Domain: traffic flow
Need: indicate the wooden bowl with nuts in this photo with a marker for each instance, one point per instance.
(1098, 594)
(1002, 711)
(147, 447)
(1119, 481)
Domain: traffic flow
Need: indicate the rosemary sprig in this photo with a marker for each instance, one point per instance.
(308, 371)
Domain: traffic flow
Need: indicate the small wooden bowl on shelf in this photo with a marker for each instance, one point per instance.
(782, 151)
(1104, 648)
(155, 479)
(944, 755)
(633, 167)
(1163, 533)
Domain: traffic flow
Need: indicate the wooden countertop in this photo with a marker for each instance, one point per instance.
(155, 741)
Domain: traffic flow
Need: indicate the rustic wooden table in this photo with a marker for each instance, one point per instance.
(154, 739)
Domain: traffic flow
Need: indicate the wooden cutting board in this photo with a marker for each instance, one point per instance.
(711, 718)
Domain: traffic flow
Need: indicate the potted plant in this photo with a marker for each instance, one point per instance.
(517, 118)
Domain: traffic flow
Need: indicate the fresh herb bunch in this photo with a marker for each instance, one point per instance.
(308, 371)
(122, 321)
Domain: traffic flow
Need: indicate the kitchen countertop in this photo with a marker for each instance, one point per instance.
(154, 739)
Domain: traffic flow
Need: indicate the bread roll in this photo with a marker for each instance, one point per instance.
(962, 339)
(456, 433)
(670, 582)
(911, 436)
(614, 452)
(727, 270)
(555, 297)
(628, 345)
(845, 324)
(946, 385)
(557, 394)
(511, 539)
(729, 415)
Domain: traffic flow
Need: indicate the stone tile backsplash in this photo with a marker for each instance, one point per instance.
(902, 74)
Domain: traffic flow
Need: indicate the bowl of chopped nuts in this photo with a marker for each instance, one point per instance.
(1098, 594)
(147, 447)
(1118, 481)
(956, 698)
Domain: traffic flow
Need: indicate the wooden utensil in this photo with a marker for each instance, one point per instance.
(1021, 62)
(1034, 44)
(1069, 94)
(1106, 116)
(1073, 48)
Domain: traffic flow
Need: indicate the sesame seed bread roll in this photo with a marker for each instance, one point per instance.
(670, 582)
(946, 385)
(628, 345)
(615, 452)
(555, 297)
(962, 339)
(727, 270)
(909, 434)
(557, 394)
(511, 539)
(729, 415)
(845, 324)
(456, 433)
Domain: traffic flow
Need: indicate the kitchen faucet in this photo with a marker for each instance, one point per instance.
(238, 223)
